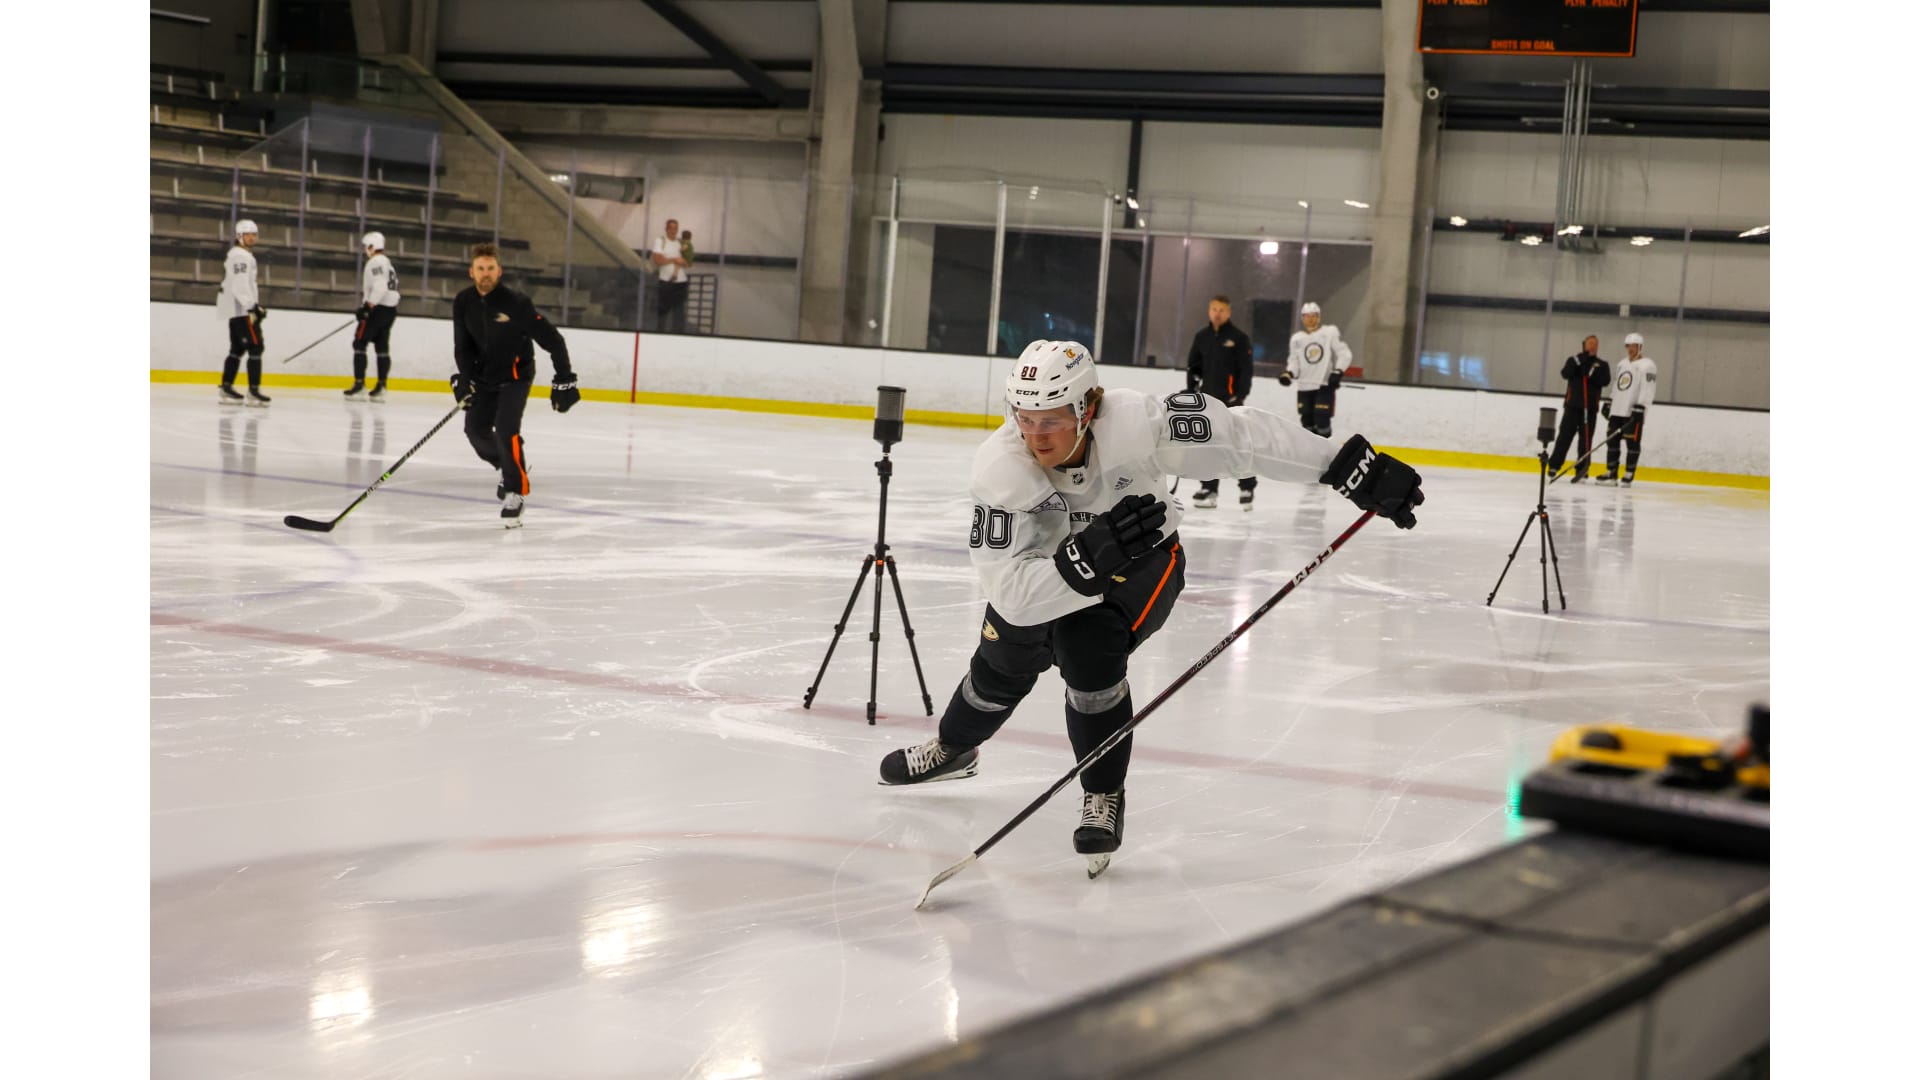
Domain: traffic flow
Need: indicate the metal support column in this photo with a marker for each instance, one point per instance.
(999, 261)
(886, 289)
(433, 187)
(1100, 299)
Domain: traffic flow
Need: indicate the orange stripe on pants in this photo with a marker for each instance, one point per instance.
(520, 465)
(1173, 555)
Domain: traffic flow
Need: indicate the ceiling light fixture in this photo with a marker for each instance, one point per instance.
(1641, 241)
(1457, 221)
(1269, 247)
(1757, 230)
(1357, 204)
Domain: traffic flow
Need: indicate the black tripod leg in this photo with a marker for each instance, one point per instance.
(873, 668)
(1510, 557)
(907, 625)
(807, 702)
(1542, 515)
(1555, 553)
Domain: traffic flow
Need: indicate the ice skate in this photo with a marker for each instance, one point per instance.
(1608, 477)
(379, 392)
(1246, 498)
(1102, 818)
(931, 760)
(355, 390)
(229, 397)
(1206, 499)
(256, 398)
(510, 508)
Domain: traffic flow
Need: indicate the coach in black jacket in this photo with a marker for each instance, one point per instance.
(1220, 365)
(494, 330)
(1586, 376)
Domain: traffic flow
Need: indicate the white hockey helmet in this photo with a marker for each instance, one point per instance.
(1050, 374)
(244, 227)
(1635, 339)
(374, 240)
(1309, 308)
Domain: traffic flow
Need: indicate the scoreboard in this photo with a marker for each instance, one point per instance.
(1529, 27)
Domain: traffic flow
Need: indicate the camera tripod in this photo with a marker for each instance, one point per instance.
(882, 566)
(1538, 514)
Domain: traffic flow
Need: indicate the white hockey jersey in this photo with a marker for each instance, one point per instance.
(379, 284)
(1021, 511)
(240, 288)
(1633, 385)
(1312, 357)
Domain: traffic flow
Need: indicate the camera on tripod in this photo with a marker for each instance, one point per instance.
(1538, 516)
(1545, 434)
(889, 426)
(890, 417)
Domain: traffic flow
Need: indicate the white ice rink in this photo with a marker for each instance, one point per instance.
(432, 798)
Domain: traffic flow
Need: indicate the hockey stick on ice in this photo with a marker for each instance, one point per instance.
(1113, 740)
(1568, 470)
(312, 525)
(309, 348)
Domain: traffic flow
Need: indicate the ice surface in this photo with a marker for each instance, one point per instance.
(434, 798)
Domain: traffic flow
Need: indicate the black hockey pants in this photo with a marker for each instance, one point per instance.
(1091, 647)
(493, 427)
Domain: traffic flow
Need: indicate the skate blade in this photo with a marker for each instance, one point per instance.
(511, 523)
(1097, 864)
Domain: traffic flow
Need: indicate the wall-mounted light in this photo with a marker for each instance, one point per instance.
(1269, 247)
(1457, 221)
(1304, 204)
(1357, 204)
(1033, 193)
(1133, 203)
(1757, 230)
(1531, 241)
(1572, 230)
(1641, 241)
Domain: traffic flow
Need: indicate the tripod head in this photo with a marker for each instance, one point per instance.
(1545, 432)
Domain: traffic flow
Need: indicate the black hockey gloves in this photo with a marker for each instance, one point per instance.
(1334, 377)
(1606, 408)
(1286, 378)
(1089, 559)
(462, 387)
(1374, 481)
(566, 392)
(363, 312)
(1193, 381)
(259, 313)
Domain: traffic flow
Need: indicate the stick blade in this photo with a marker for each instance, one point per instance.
(295, 521)
(943, 876)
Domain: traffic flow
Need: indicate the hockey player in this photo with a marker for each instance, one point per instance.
(240, 302)
(1626, 411)
(379, 303)
(1316, 360)
(1078, 553)
(1220, 364)
(1586, 376)
(494, 329)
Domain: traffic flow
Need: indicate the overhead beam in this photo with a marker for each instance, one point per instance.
(697, 32)
(681, 63)
(523, 118)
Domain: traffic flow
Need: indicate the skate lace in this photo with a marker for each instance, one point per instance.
(926, 756)
(1100, 811)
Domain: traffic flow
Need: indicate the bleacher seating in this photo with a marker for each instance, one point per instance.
(204, 136)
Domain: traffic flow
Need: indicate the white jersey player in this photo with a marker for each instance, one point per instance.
(240, 303)
(1077, 552)
(1626, 410)
(379, 304)
(1316, 360)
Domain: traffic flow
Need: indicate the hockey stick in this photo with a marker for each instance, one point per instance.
(1113, 740)
(1568, 470)
(309, 348)
(309, 524)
